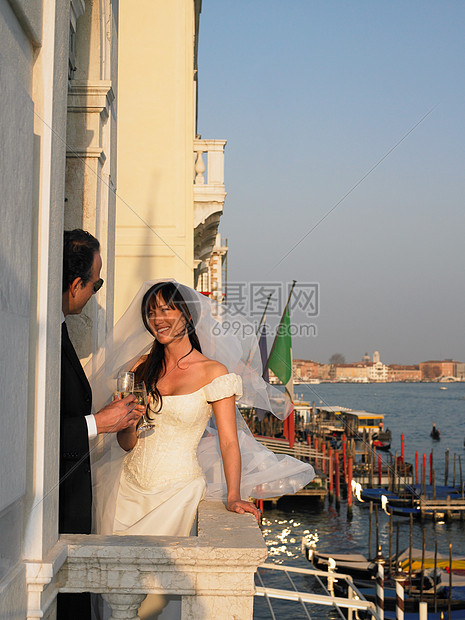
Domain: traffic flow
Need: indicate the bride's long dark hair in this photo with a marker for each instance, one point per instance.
(150, 370)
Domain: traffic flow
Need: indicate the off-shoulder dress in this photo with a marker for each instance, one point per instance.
(161, 482)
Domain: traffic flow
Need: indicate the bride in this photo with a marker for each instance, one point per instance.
(159, 492)
(195, 360)
(151, 482)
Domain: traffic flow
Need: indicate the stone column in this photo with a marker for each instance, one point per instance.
(91, 161)
(124, 606)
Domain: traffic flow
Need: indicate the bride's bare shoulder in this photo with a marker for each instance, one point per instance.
(214, 369)
(207, 368)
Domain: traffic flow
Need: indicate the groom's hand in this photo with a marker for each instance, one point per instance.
(118, 415)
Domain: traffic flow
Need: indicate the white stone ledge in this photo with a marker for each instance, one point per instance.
(209, 570)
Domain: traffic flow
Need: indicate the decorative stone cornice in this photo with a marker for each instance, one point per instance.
(207, 202)
(91, 152)
(90, 97)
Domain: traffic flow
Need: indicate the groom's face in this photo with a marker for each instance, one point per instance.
(79, 293)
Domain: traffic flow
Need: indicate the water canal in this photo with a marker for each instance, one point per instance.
(409, 408)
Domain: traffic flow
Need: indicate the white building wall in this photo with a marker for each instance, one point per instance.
(33, 56)
(34, 52)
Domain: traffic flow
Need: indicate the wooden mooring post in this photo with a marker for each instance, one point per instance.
(344, 456)
(349, 487)
(423, 475)
(337, 473)
(370, 528)
(446, 467)
(331, 476)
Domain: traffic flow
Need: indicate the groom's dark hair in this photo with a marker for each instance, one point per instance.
(79, 248)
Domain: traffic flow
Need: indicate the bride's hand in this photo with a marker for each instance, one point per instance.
(241, 507)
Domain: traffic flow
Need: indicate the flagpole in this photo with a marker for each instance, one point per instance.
(262, 320)
(276, 337)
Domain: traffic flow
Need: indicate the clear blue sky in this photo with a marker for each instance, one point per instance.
(310, 96)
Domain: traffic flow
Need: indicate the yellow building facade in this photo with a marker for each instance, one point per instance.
(160, 155)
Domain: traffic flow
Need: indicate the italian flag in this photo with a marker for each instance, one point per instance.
(280, 363)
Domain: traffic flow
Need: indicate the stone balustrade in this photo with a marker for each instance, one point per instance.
(212, 572)
(215, 162)
(209, 196)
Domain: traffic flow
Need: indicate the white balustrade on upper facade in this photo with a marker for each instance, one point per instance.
(209, 196)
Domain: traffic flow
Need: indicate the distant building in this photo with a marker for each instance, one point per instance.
(459, 372)
(397, 372)
(356, 372)
(366, 359)
(304, 370)
(435, 369)
(377, 371)
(324, 372)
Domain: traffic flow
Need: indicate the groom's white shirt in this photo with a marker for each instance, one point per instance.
(90, 419)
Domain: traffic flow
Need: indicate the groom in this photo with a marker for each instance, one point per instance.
(81, 279)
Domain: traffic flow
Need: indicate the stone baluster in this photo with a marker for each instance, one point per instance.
(124, 606)
(199, 168)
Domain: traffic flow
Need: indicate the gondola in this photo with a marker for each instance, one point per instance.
(435, 433)
(363, 572)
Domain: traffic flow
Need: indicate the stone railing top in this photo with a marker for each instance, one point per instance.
(227, 543)
(211, 572)
(205, 145)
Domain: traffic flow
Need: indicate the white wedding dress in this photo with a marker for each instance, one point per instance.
(161, 481)
(155, 489)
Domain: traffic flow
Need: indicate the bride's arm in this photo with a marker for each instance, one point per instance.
(127, 439)
(225, 416)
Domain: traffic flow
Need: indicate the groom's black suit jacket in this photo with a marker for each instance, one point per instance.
(75, 480)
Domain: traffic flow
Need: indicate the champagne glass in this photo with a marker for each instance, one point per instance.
(125, 384)
(140, 392)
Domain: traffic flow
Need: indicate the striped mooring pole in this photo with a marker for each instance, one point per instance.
(399, 578)
(380, 584)
(423, 610)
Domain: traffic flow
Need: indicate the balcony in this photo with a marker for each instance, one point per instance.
(212, 572)
(209, 195)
